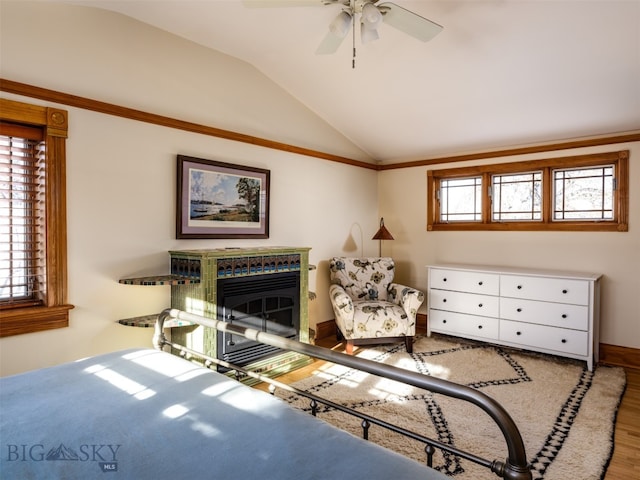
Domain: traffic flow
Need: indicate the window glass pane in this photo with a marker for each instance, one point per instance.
(517, 197)
(461, 199)
(584, 193)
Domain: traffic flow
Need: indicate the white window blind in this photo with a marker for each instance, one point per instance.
(22, 216)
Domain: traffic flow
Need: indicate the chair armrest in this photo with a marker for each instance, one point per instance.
(343, 308)
(408, 298)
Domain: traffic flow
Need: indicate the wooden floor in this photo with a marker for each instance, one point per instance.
(625, 463)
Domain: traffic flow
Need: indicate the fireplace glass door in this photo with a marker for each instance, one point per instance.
(268, 303)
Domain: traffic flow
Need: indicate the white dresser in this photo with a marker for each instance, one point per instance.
(542, 310)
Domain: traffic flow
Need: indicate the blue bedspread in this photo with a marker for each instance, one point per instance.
(145, 414)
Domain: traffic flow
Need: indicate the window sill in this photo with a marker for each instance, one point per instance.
(33, 319)
(533, 226)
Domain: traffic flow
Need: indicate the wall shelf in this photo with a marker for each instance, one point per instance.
(160, 280)
(149, 321)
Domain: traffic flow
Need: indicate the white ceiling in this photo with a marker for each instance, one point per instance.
(502, 72)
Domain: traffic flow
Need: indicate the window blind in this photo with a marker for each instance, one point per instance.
(22, 216)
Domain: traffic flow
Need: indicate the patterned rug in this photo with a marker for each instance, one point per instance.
(566, 414)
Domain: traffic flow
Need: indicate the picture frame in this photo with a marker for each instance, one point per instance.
(221, 200)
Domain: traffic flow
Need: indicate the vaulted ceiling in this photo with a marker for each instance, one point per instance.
(502, 73)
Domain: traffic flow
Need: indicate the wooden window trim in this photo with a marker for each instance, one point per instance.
(619, 224)
(55, 312)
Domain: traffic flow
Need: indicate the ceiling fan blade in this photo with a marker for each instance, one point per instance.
(329, 44)
(281, 3)
(409, 22)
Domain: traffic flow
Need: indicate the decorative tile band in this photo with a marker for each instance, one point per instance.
(243, 266)
(186, 267)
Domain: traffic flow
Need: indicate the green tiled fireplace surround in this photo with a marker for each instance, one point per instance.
(205, 267)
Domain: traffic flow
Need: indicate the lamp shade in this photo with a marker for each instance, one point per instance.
(340, 25)
(382, 233)
(371, 15)
(368, 33)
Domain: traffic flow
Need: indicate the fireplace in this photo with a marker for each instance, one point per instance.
(265, 288)
(269, 303)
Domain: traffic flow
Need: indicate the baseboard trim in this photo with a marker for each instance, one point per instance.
(325, 329)
(421, 322)
(622, 356)
(609, 354)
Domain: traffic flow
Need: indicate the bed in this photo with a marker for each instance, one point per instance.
(147, 413)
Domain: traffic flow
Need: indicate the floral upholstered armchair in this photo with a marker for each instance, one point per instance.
(369, 307)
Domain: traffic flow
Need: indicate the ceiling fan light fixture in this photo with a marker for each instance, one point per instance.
(341, 24)
(371, 15)
(368, 33)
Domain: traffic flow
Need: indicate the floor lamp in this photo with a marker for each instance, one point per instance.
(382, 234)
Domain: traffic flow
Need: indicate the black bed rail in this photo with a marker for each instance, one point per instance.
(515, 467)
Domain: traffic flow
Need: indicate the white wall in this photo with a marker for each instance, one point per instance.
(616, 255)
(121, 174)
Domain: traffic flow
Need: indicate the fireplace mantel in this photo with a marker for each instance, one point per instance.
(206, 267)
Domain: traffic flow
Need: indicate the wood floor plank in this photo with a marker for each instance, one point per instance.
(625, 463)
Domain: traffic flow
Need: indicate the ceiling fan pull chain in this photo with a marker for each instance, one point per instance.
(353, 36)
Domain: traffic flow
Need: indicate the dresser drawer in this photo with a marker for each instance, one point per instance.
(472, 282)
(541, 336)
(560, 315)
(463, 325)
(558, 290)
(470, 303)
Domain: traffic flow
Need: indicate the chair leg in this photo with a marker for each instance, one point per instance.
(349, 347)
(408, 341)
(339, 335)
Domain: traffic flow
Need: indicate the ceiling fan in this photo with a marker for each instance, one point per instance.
(371, 15)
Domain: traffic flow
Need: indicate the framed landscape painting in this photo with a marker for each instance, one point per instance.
(221, 200)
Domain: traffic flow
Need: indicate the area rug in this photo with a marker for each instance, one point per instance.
(565, 413)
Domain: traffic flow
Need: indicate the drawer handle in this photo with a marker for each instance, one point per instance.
(444, 321)
(565, 291)
(480, 282)
(518, 310)
(444, 279)
(564, 340)
(519, 287)
(518, 333)
(480, 305)
(564, 315)
(480, 327)
(444, 300)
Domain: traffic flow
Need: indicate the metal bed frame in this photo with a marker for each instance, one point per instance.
(515, 467)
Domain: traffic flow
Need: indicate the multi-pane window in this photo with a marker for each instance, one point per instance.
(516, 197)
(589, 192)
(461, 198)
(584, 193)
